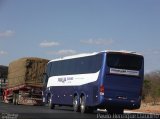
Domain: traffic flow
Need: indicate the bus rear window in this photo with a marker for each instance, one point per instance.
(124, 61)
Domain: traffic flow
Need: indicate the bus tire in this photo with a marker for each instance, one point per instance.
(50, 104)
(76, 104)
(83, 104)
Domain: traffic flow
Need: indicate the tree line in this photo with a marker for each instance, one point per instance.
(151, 88)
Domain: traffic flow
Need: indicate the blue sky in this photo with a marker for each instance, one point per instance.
(56, 28)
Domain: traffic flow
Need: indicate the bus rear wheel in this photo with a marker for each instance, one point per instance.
(83, 104)
(83, 107)
(76, 104)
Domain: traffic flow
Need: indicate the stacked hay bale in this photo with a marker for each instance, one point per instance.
(26, 71)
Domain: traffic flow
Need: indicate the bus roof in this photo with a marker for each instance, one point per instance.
(94, 53)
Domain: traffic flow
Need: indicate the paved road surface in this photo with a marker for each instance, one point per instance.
(10, 111)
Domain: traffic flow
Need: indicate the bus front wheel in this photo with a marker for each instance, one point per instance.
(50, 104)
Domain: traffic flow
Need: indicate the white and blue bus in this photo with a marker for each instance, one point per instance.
(110, 79)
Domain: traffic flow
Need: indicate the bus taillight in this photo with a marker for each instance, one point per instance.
(102, 90)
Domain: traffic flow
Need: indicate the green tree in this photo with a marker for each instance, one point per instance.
(155, 90)
(146, 89)
(151, 87)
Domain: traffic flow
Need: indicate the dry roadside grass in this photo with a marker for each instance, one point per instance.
(149, 108)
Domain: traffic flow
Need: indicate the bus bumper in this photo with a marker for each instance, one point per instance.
(121, 103)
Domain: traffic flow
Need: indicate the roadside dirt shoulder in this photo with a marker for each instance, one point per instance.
(149, 108)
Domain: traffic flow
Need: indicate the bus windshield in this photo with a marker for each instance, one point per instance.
(124, 61)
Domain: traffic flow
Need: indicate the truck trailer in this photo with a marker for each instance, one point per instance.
(25, 81)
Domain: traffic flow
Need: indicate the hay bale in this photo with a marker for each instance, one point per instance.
(27, 71)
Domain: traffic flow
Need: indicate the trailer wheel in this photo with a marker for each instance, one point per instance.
(76, 104)
(17, 98)
(14, 99)
(50, 104)
(83, 104)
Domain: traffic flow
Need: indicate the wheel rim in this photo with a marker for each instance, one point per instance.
(17, 99)
(14, 99)
(82, 105)
(50, 101)
(82, 108)
(75, 103)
